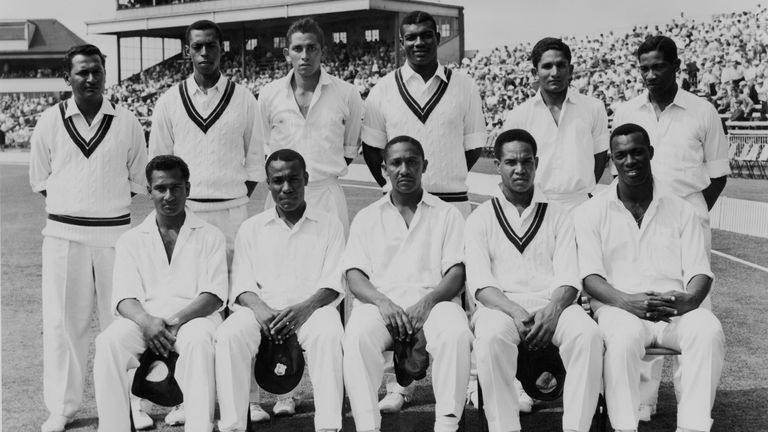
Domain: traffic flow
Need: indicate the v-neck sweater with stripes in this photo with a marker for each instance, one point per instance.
(87, 171)
(222, 153)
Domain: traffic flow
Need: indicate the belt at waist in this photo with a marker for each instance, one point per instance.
(451, 196)
(209, 200)
(92, 221)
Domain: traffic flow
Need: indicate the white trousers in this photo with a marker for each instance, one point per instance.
(237, 343)
(228, 221)
(75, 278)
(324, 195)
(699, 337)
(118, 349)
(448, 344)
(581, 349)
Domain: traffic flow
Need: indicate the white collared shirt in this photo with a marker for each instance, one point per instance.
(663, 254)
(222, 158)
(566, 149)
(142, 271)
(454, 125)
(420, 89)
(329, 133)
(530, 277)
(98, 185)
(689, 144)
(286, 265)
(405, 262)
(205, 100)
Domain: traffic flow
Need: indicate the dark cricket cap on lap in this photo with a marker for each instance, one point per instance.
(411, 359)
(279, 367)
(541, 372)
(155, 381)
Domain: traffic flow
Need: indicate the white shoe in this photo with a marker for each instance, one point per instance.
(525, 402)
(141, 420)
(285, 406)
(258, 414)
(645, 412)
(176, 416)
(55, 423)
(393, 402)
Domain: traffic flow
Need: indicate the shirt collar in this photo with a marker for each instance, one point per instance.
(220, 85)
(192, 221)
(569, 96)
(309, 214)
(325, 78)
(426, 199)
(408, 72)
(680, 99)
(538, 195)
(105, 109)
(612, 195)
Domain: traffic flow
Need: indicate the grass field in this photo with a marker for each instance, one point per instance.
(740, 299)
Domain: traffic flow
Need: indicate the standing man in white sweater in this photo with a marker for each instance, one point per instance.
(214, 125)
(315, 114)
(87, 159)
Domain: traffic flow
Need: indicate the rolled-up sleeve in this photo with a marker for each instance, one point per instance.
(474, 120)
(356, 255)
(477, 258)
(331, 274)
(126, 279)
(588, 242)
(243, 275)
(715, 146)
(354, 124)
(374, 131)
(137, 159)
(694, 254)
(254, 142)
(215, 276)
(565, 258)
(453, 240)
(40, 154)
(600, 134)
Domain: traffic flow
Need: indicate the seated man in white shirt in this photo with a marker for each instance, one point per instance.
(643, 257)
(286, 279)
(522, 269)
(170, 281)
(404, 264)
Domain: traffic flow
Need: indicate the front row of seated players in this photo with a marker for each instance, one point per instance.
(641, 255)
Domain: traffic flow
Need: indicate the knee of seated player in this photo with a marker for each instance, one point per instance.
(620, 329)
(447, 322)
(703, 327)
(115, 335)
(364, 321)
(492, 328)
(239, 328)
(322, 328)
(196, 334)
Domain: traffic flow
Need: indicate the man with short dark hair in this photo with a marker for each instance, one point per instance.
(316, 114)
(170, 283)
(286, 279)
(213, 124)
(404, 264)
(522, 269)
(571, 129)
(439, 107)
(643, 259)
(691, 149)
(87, 159)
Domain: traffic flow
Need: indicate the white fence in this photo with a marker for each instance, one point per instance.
(740, 216)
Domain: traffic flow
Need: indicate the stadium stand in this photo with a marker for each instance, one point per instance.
(723, 61)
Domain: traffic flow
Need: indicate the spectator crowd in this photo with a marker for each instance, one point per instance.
(723, 61)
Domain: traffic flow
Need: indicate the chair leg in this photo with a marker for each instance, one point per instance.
(481, 409)
(601, 415)
(248, 424)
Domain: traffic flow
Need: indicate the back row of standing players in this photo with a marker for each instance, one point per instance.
(222, 132)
